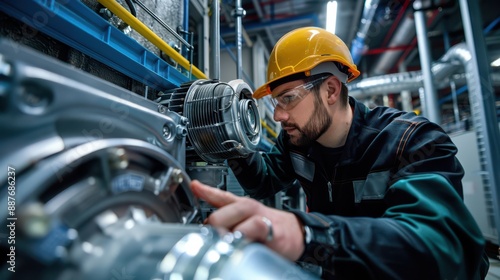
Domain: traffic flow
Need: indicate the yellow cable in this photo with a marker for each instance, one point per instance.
(138, 26)
(269, 129)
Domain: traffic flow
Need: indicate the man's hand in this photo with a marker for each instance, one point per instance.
(246, 215)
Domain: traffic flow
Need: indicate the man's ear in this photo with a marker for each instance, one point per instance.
(334, 87)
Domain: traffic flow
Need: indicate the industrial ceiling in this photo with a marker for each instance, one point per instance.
(386, 27)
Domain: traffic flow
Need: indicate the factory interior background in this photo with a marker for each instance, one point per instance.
(88, 77)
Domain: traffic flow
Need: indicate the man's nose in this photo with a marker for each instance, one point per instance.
(280, 115)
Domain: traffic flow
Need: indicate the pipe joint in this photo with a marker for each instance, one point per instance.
(239, 12)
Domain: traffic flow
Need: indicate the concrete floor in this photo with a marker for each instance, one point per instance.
(494, 272)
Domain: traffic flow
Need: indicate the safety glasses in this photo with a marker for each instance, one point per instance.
(289, 98)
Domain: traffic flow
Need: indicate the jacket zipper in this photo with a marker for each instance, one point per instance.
(330, 191)
(329, 181)
(330, 185)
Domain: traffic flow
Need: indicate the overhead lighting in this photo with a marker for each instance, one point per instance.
(331, 16)
(496, 63)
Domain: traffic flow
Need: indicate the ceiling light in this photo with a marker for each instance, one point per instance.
(496, 63)
(331, 16)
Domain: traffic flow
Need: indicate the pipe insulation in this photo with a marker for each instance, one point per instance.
(448, 64)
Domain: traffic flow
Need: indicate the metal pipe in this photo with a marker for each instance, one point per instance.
(423, 106)
(358, 44)
(398, 82)
(395, 24)
(358, 10)
(456, 110)
(431, 98)
(447, 65)
(403, 36)
(238, 13)
(137, 25)
(185, 26)
(412, 51)
(215, 41)
(161, 22)
(406, 100)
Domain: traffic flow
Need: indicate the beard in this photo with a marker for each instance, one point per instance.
(314, 128)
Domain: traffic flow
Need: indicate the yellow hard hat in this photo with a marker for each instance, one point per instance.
(300, 51)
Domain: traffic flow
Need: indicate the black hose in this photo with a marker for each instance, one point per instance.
(131, 7)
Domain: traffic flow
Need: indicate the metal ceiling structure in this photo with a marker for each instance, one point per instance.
(380, 33)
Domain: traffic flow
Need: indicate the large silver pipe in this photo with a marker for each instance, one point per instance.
(424, 49)
(406, 100)
(393, 83)
(445, 70)
(390, 83)
(215, 42)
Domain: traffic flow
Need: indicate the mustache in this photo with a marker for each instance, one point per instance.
(283, 124)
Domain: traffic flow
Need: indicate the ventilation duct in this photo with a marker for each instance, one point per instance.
(448, 65)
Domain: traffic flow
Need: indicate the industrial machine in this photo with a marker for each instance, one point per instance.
(96, 179)
(99, 149)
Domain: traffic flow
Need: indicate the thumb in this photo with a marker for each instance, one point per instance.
(211, 195)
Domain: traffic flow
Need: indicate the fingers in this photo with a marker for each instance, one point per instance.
(233, 214)
(213, 196)
(279, 230)
(232, 209)
(282, 232)
(256, 228)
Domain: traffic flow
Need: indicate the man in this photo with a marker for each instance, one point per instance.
(383, 187)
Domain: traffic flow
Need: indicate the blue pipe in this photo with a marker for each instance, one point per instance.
(449, 97)
(491, 26)
(357, 48)
(446, 39)
(358, 43)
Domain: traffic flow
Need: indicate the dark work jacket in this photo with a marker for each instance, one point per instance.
(393, 204)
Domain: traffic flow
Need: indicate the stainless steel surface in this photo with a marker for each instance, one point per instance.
(214, 41)
(432, 111)
(101, 189)
(223, 118)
